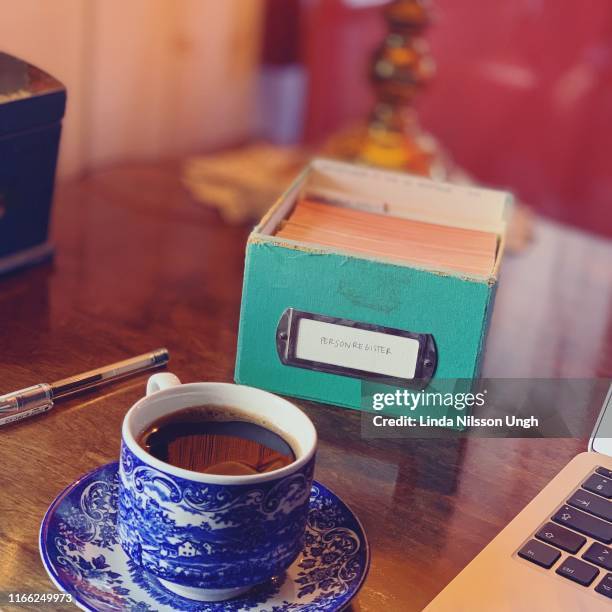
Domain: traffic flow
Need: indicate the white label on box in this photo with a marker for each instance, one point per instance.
(358, 349)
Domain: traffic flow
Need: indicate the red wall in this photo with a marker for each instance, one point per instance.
(522, 97)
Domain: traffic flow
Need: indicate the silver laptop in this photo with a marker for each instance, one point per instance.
(557, 553)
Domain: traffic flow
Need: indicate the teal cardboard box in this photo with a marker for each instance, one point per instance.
(318, 322)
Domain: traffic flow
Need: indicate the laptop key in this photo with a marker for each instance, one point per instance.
(539, 553)
(604, 472)
(584, 523)
(561, 538)
(605, 586)
(593, 504)
(578, 571)
(598, 484)
(599, 555)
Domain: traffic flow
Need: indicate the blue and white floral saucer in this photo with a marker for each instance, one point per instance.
(81, 553)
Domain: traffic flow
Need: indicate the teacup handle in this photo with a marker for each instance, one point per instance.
(163, 380)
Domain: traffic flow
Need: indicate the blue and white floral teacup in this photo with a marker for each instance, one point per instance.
(206, 536)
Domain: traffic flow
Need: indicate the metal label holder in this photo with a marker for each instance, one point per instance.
(287, 334)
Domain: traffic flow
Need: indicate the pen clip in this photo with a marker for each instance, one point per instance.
(25, 402)
(13, 417)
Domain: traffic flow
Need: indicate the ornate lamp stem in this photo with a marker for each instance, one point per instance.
(401, 66)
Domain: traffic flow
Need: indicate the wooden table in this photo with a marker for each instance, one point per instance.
(140, 265)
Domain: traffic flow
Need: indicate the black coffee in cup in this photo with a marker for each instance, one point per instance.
(216, 440)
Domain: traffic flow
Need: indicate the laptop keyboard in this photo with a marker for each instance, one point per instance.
(587, 513)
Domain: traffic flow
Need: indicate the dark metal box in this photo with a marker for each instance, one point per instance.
(32, 105)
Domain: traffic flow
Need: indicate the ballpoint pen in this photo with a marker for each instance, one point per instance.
(40, 398)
